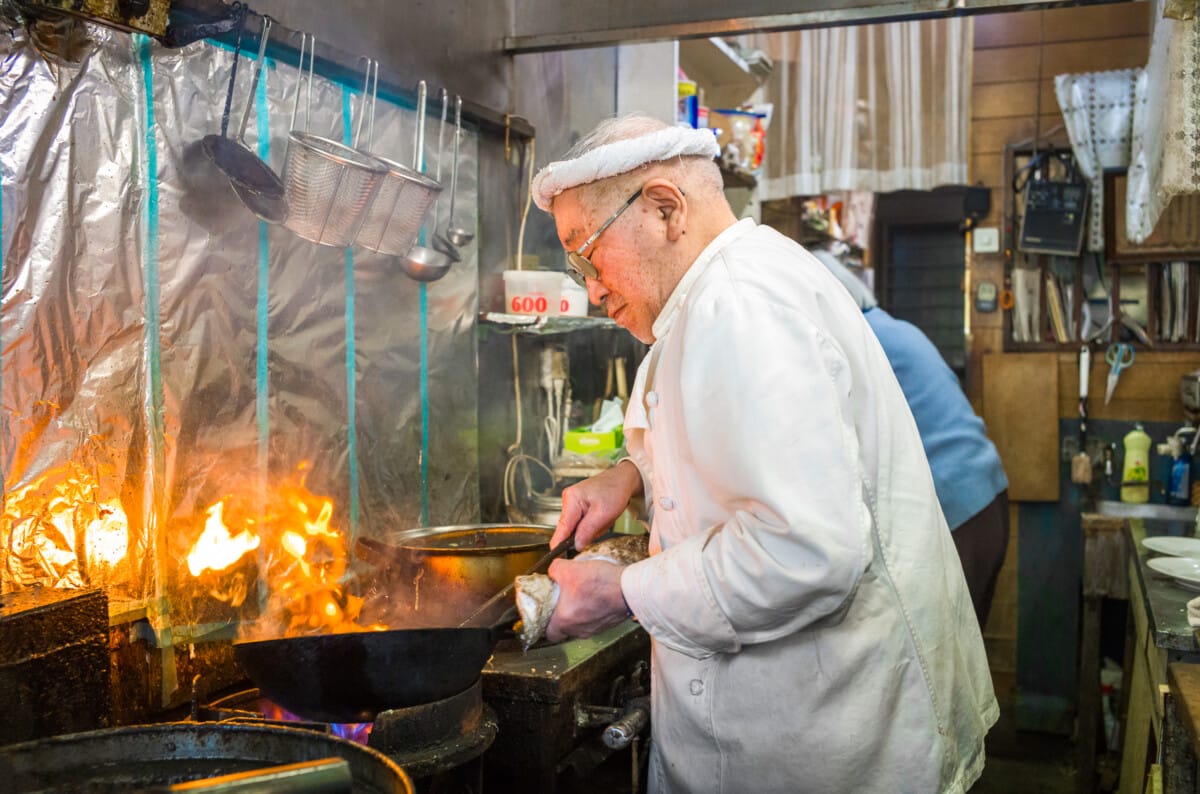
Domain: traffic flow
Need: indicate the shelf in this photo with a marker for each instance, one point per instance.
(736, 177)
(535, 324)
(726, 78)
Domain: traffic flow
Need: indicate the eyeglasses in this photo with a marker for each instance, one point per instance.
(580, 267)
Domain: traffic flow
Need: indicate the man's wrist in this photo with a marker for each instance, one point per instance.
(636, 483)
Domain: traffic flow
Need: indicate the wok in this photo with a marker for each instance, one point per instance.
(352, 677)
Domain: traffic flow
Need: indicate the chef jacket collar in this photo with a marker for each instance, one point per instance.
(666, 317)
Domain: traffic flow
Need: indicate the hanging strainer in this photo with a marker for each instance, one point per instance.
(394, 219)
(329, 185)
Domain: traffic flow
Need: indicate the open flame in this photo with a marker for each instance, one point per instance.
(217, 548)
(302, 561)
(357, 732)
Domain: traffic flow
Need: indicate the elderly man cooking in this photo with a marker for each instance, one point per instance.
(811, 628)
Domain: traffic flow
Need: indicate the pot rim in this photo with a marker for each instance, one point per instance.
(437, 540)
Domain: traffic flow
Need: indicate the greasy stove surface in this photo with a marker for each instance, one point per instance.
(539, 696)
(546, 667)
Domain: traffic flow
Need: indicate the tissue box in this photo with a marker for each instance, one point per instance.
(585, 441)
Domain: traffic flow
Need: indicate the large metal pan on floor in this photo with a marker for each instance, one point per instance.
(352, 677)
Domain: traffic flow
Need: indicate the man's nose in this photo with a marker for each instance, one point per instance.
(596, 291)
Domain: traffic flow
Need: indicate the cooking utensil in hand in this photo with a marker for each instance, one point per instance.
(353, 676)
(422, 263)
(508, 589)
(457, 235)
(259, 188)
(1120, 358)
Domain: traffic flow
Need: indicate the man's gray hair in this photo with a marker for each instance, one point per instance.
(619, 128)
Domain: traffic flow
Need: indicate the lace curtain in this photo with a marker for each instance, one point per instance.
(868, 107)
(1165, 161)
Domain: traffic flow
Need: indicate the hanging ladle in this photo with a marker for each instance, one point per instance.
(457, 235)
(421, 263)
(441, 242)
(259, 187)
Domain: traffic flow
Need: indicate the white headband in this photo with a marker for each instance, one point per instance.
(621, 157)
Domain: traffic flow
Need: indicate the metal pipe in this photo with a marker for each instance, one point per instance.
(322, 776)
(621, 733)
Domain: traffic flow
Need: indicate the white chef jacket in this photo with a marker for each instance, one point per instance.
(812, 628)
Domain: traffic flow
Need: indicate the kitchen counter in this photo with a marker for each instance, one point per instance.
(1161, 637)
(1165, 601)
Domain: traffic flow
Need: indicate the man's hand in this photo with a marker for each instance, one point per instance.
(589, 600)
(590, 507)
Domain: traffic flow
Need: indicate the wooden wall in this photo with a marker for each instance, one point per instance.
(1007, 91)
(1005, 98)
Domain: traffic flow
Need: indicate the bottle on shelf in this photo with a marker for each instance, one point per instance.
(1135, 476)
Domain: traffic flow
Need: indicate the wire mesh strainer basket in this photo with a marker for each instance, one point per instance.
(394, 219)
(329, 186)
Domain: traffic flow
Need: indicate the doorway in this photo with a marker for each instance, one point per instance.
(920, 265)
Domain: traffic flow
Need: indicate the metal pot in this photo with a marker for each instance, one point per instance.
(451, 571)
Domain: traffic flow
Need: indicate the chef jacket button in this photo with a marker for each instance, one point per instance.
(696, 686)
(666, 503)
(652, 398)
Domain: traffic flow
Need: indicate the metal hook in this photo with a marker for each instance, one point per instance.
(311, 40)
(370, 89)
(264, 37)
(507, 145)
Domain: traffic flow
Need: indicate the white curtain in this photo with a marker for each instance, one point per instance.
(868, 107)
(1165, 161)
(1098, 108)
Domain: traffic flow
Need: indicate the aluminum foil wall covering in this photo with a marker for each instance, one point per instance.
(160, 347)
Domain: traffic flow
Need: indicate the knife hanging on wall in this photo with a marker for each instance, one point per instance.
(1081, 464)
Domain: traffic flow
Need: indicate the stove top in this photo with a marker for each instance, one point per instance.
(427, 741)
(553, 703)
(547, 669)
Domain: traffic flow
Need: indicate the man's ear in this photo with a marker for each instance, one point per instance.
(669, 204)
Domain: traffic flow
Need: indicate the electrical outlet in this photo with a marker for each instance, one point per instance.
(985, 240)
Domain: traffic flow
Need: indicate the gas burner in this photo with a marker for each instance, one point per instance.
(427, 741)
(436, 736)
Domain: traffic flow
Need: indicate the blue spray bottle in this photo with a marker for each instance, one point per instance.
(1179, 483)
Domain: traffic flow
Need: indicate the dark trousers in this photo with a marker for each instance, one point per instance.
(982, 542)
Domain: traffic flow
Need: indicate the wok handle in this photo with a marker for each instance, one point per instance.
(322, 776)
(507, 590)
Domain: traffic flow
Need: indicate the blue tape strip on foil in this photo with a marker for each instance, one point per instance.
(150, 258)
(261, 382)
(351, 399)
(424, 406)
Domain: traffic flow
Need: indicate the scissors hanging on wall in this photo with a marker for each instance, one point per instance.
(1120, 358)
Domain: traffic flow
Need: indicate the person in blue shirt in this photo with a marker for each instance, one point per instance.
(967, 474)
